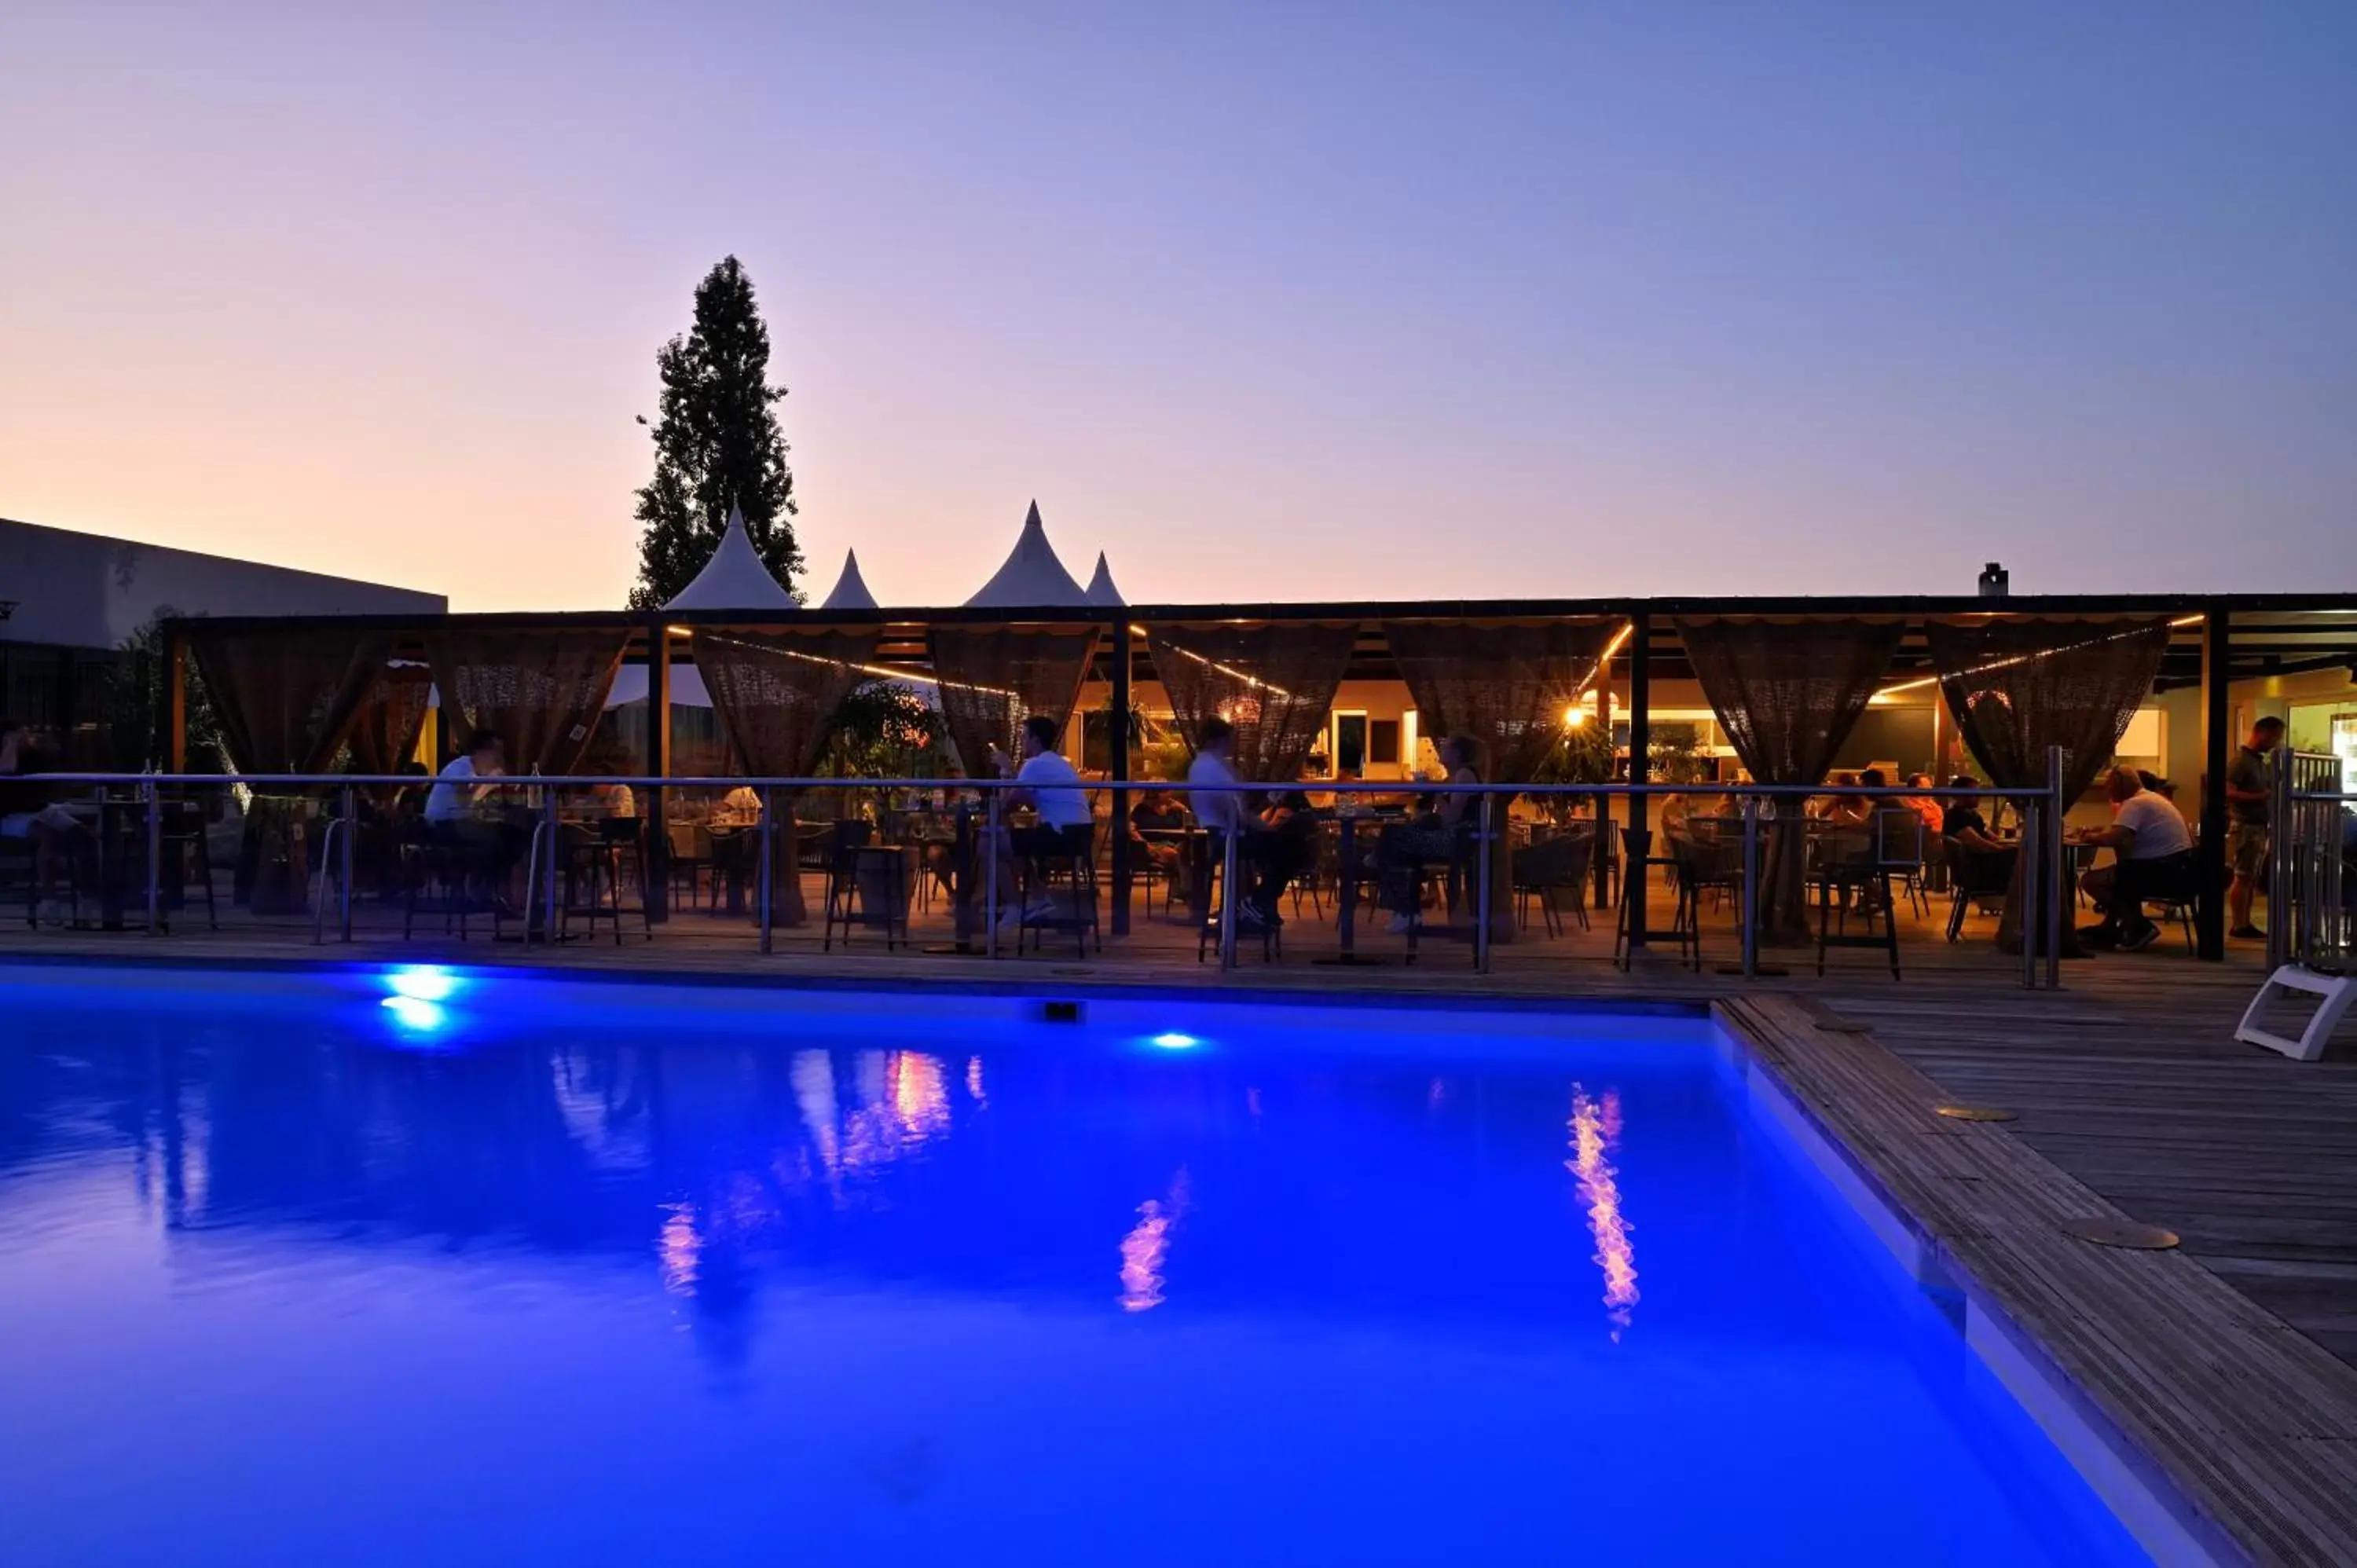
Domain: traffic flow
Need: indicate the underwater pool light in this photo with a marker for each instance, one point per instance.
(421, 982)
(417, 1015)
(1174, 1041)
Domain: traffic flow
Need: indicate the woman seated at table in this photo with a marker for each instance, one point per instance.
(30, 811)
(1989, 857)
(1432, 836)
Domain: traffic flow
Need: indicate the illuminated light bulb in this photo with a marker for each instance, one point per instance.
(1175, 1041)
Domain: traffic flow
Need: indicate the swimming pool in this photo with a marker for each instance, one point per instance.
(431, 1267)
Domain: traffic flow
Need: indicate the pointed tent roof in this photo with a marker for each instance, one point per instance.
(850, 590)
(734, 579)
(1100, 590)
(1032, 576)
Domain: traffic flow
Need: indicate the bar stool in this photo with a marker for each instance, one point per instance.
(1069, 872)
(594, 856)
(1684, 930)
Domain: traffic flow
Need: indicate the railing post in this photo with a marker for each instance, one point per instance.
(1751, 911)
(1228, 895)
(2060, 905)
(2281, 859)
(155, 856)
(769, 851)
(1484, 848)
(344, 894)
(990, 872)
(2033, 889)
(548, 883)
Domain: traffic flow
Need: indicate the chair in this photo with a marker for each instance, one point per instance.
(1974, 878)
(1543, 870)
(1684, 930)
(1856, 868)
(1070, 872)
(1272, 937)
(844, 905)
(691, 858)
(182, 840)
(444, 875)
(18, 870)
(2181, 902)
(594, 856)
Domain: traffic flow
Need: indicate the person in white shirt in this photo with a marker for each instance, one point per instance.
(2152, 852)
(1225, 812)
(453, 797)
(1051, 787)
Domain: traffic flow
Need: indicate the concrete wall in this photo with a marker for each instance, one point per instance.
(85, 590)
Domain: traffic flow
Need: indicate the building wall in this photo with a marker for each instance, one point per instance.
(87, 591)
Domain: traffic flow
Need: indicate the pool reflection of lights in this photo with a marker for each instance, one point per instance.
(1174, 1041)
(421, 982)
(417, 1013)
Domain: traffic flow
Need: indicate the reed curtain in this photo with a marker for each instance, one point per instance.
(994, 676)
(2017, 688)
(1788, 693)
(1275, 683)
(285, 702)
(777, 692)
(1508, 687)
(541, 692)
(384, 733)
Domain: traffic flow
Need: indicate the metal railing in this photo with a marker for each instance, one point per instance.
(2045, 887)
(2309, 921)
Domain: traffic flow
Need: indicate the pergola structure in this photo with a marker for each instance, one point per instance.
(1770, 668)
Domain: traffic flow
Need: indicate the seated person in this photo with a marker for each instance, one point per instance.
(2152, 858)
(1841, 810)
(1159, 813)
(1934, 815)
(1051, 786)
(1288, 847)
(30, 811)
(742, 804)
(1224, 811)
(1431, 837)
(454, 813)
(613, 800)
(1963, 825)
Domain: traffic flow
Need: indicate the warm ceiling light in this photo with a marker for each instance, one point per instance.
(1574, 717)
(679, 630)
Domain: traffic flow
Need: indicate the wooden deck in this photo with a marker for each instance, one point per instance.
(2231, 1362)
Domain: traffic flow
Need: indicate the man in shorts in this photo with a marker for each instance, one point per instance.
(2246, 836)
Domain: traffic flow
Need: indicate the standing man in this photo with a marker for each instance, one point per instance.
(2246, 841)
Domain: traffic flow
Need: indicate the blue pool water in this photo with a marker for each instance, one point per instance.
(511, 1273)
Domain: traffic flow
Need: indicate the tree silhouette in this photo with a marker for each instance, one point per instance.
(717, 445)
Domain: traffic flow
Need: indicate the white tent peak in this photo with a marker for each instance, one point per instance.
(1100, 590)
(734, 579)
(850, 590)
(1032, 577)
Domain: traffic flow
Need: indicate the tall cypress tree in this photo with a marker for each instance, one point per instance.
(717, 445)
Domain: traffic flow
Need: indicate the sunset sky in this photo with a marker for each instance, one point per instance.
(1270, 302)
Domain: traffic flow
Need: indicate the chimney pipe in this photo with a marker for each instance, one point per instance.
(1995, 580)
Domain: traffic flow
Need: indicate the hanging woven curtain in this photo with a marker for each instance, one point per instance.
(1275, 682)
(540, 692)
(384, 734)
(777, 692)
(1508, 687)
(2017, 688)
(994, 676)
(1788, 693)
(285, 702)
